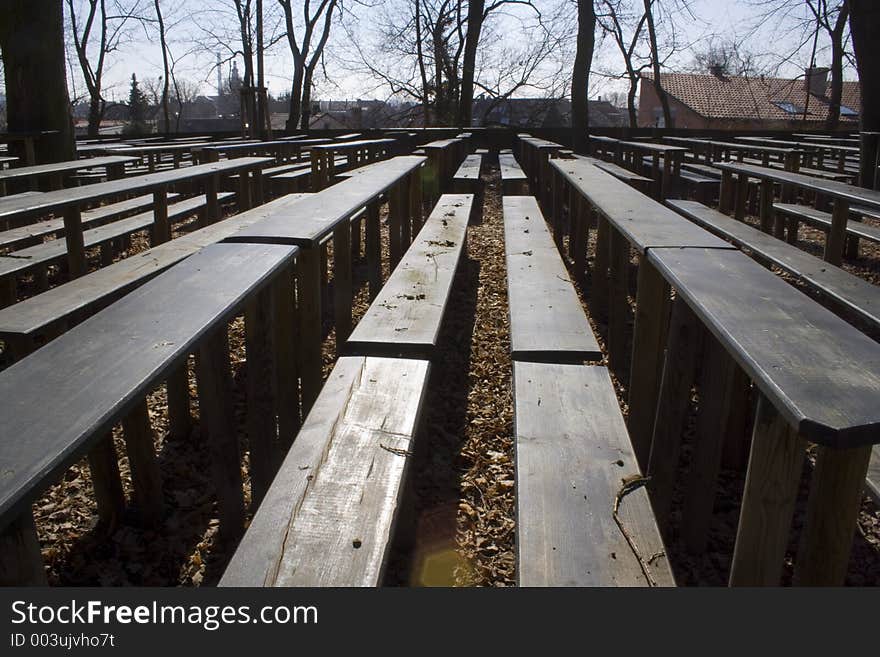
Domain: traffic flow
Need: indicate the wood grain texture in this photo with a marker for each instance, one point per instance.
(406, 316)
(98, 370)
(828, 391)
(547, 320)
(572, 455)
(329, 516)
(768, 500)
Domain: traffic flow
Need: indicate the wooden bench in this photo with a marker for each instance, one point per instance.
(55, 172)
(71, 202)
(818, 379)
(842, 289)
(35, 259)
(513, 180)
(641, 183)
(583, 515)
(99, 372)
(329, 213)
(329, 516)
(547, 321)
(32, 233)
(823, 220)
(467, 179)
(33, 321)
(405, 318)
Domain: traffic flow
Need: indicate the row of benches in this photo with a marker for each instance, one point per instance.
(788, 346)
(252, 271)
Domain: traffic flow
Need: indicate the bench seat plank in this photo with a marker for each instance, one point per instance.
(644, 222)
(822, 374)
(405, 318)
(617, 171)
(329, 515)
(547, 320)
(96, 371)
(572, 455)
(90, 219)
(54, 251)
(470, 168)
(822, 220)
(87, 294)
(852, 292)
(318, 215)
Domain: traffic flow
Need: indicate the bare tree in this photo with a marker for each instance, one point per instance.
(655, 62)
(97, 34)
(832, 17)
(614, 18)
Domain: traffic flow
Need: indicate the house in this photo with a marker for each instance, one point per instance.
(727, 102)
(542, 113)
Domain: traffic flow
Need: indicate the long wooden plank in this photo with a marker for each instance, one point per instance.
(328, 518)
(87, 294)
(317, 216)
(94, 373)
(63, 167)
(821, 373)
(547, 320)
(823, 220)
(406, 316)
(644, 222)
(573, 459)
(852, 292)
(59, 199)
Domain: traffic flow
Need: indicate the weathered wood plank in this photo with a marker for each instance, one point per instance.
(547, 320)
(329, 516)
(573, 457)
(406, 316)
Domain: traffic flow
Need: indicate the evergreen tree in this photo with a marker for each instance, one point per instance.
(137, 110)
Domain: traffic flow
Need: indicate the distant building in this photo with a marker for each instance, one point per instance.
(542, 113)
(719, 101)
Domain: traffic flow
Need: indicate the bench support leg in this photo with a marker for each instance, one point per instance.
(742, 194)
(726, 193)
(260, 404)
(212, 209)
(342, 284)
(161, 226)
(286, 371)
(309, 307)
(837, 233)
(718, 411)
(373, 249)
(646, 369)
(396, 203)
(177, 386)
(145, 477)
(73, 236)
(599, 275)
(832, 513)
(682, 353)
(580, 237)
(216, 410)
(21, 563)
(766, 208)
(106, 482)
(619, 310)
(415, 201)
(769, 496)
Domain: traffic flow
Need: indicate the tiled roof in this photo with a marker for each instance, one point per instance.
(732, 97)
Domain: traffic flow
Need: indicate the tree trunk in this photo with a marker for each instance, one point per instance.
(96, 113)
(469, 63)
(165, 68)
(32, 43)
(655, 65)
(580, 75)
(296, 93)
(836, 69)
(306, 108)
(864, 25)
(631, 102)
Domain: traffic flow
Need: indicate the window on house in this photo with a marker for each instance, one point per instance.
(789, 108)
(848, 111)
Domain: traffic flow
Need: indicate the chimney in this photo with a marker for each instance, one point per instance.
(816, 80)
(717, 70)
